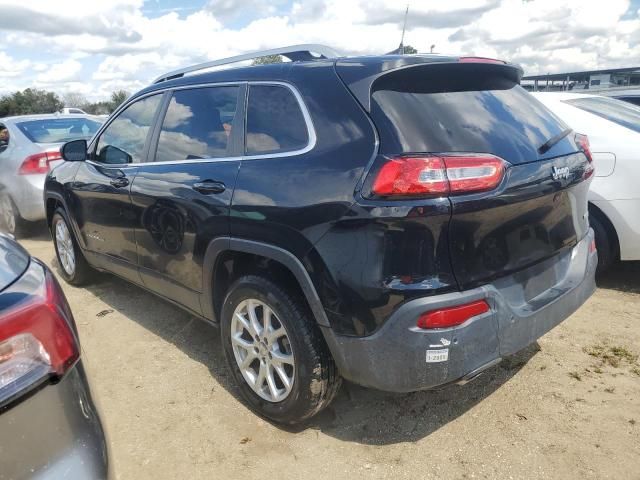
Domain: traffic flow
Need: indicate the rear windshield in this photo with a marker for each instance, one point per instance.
(505, 121)
(56, 130)
(610, 109)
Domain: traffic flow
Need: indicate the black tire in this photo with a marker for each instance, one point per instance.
(82, 273)
(604, 244)
(16, 225)
(316, 379)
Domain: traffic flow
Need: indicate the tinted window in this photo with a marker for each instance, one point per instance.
(610, 109)
(501, 119)
(198, 124)
(274, 121)
(124, 139)
(75, 110)
(56, 130)
(466, 107)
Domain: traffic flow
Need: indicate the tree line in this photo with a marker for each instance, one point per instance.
(33, 100)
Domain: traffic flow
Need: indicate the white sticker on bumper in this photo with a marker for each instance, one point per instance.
(435, 356)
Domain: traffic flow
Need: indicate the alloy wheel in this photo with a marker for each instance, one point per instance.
(262, 350)
(64, 244)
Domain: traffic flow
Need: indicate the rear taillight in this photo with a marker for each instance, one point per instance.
(37, 342)
(481, 60)
(583, 142)
(452, 316)
(437, 175)
(38, 163)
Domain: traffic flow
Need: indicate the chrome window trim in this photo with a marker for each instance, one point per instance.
(311, 132)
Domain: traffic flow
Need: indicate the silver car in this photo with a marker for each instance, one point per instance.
(29, 149)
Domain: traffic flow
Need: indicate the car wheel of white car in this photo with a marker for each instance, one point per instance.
(606, 251)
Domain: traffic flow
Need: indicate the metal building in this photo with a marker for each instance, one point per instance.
(592, 80)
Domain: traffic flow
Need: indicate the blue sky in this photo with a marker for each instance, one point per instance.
(94, 47)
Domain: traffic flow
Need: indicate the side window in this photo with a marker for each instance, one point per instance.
(124, 139)
(275, 122)
(198, 124)
(4, 138)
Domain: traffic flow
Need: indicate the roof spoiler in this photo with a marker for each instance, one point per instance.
(395, 71)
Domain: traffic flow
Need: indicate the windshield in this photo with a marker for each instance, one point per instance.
(56, 130)
(615, 111)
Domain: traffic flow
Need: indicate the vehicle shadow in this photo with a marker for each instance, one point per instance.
(371, 417)
(623, 276)
(357, 415)
(37, 231)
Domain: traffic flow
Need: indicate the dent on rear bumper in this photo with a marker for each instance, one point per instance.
(55, 433)
(394, 358)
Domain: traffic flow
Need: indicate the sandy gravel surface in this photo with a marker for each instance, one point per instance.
(568, 407)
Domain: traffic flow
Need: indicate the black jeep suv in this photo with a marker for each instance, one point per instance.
(399, 221)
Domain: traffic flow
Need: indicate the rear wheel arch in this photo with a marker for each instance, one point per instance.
(227, 259)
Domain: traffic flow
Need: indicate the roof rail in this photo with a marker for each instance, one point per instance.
(293, 53)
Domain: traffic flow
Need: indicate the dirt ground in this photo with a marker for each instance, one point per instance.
(568, 407)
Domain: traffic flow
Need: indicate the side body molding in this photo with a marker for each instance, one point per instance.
(290, 261)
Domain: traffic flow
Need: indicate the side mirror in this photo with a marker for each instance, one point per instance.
(74, 151)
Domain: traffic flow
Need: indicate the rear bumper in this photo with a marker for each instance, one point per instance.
(395, 357)
(55, 433)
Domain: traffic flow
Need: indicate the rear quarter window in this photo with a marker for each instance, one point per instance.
(275, 122)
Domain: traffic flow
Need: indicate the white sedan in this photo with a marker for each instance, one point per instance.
(613, 128)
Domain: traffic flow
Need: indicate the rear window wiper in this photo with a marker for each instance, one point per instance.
(546, 146)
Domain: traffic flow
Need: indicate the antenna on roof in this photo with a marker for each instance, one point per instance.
(404, 27)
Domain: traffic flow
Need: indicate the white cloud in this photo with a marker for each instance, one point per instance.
(10, 67)
(66, 70)
(122, 47)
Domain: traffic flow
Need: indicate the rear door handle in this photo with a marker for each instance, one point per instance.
(120, 182)
(209, 187)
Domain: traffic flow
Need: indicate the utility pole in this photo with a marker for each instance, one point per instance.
(404, 26)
